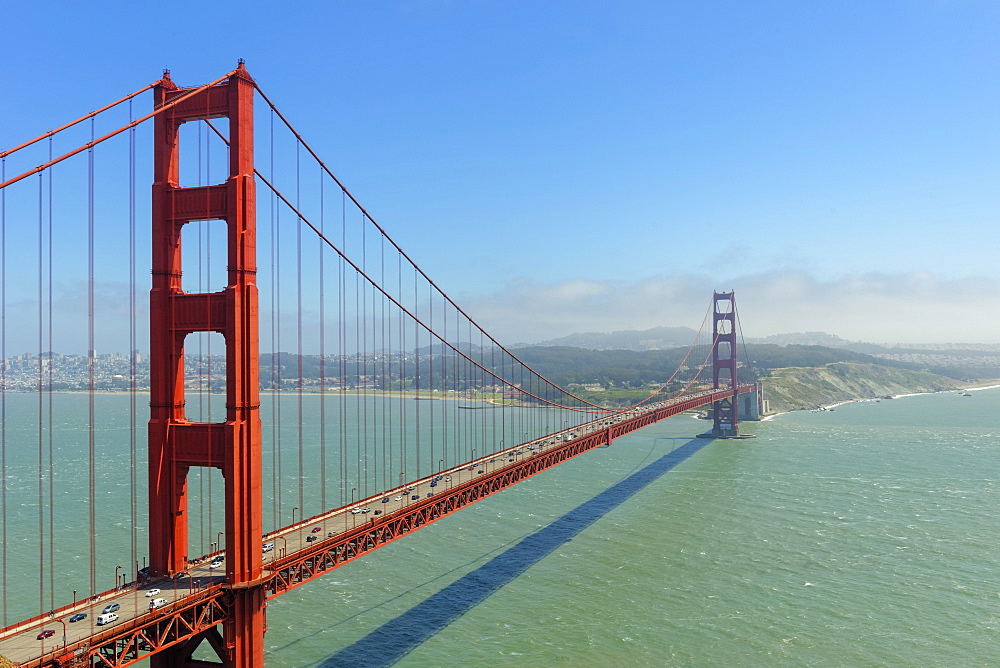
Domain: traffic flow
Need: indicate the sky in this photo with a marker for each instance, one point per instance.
(561, 167)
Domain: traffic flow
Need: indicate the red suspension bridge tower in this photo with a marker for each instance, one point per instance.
(726, 411)
(176, 444)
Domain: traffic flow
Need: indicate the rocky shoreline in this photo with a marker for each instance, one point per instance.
(811, 388)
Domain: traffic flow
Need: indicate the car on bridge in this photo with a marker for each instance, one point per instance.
(112, 607)
(78, 617)
(317, 529)
(107, 618)
(152, 592)
(45, 634)
(267, 547)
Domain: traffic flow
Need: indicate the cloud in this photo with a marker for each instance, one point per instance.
(916, 307)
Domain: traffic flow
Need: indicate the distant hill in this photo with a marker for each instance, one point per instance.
(803, 339)
(657, 338)
(966, 361)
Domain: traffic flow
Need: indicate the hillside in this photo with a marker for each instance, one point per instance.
(797, 388)
(657, 338)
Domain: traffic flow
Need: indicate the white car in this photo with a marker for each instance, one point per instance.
(152, 592)
(216, 564)
(355, 511)
(267, 547)
(398, 498)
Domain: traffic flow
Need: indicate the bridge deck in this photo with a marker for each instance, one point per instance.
(197, 600)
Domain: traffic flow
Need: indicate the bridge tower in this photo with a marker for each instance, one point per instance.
(725, 412)
(176, 444)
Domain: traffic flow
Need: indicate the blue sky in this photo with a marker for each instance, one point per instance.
(593, 166)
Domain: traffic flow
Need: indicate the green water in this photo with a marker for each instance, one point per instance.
(861, 537)
(865, 536)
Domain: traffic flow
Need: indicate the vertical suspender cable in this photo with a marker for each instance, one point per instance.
(386, 351)
(430, 372)
(132, 347)
(207, 359)
(276, 353)
(51, 347)
(403, 386)
(416, 357)
(341, 353)
(298, 322)
(402, 371)
(3, 386)
(91, 352)
(39, 386)
(322, 351)
(363, 352)
(378, 402)
(203, 473)
(275, 462)
(360, 342)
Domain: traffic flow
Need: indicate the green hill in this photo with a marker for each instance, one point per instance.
(797, 388)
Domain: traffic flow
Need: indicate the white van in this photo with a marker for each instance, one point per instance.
(157, 603)
(106, 618)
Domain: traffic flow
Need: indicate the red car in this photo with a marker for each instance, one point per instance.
(45, 634)
(317, 529)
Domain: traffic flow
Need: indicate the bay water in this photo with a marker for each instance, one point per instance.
(862, 536)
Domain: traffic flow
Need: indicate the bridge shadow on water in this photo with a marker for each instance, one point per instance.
(398, 637)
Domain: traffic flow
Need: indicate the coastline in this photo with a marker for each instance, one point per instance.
(828, 407)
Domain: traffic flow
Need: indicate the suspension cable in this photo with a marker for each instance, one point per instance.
(51, 133)
(433, 285)
(302, 217)
(94, 142)
(382, 231)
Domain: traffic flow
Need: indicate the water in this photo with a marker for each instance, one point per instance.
(865, 536)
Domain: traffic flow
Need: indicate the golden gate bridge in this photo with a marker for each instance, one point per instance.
(396, 409)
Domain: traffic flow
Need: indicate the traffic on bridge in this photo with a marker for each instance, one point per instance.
(125, 625)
